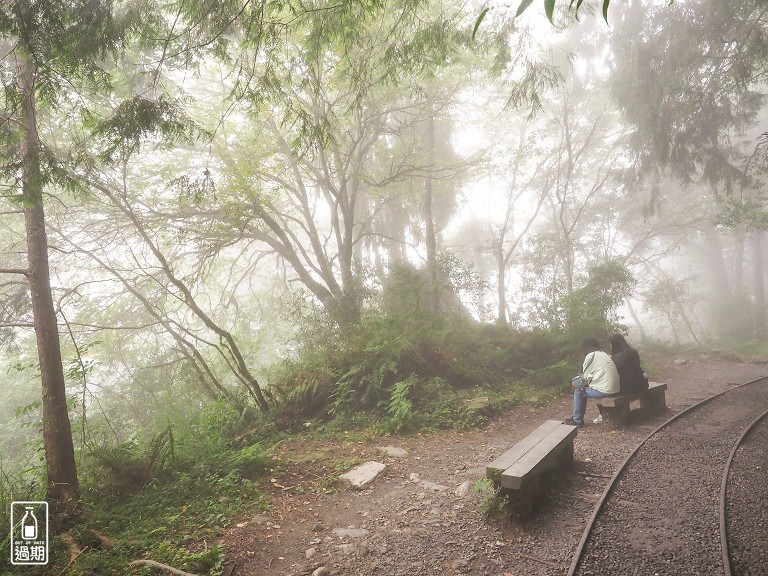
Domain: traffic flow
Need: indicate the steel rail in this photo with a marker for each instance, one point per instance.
(723, 494)
(612, 482)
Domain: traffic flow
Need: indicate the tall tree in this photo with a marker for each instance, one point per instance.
(691, 80)
(50, 46)
(325, 135)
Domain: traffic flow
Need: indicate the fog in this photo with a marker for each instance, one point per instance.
(275, 215)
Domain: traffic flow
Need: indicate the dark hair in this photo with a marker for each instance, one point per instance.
(590, 345)
(619, 344)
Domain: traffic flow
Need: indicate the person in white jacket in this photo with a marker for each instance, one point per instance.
(599, 378)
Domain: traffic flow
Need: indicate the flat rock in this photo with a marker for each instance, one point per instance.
(432, 486)
(464, 489)
(350, 532)
(394, 451)
(363, 474)
(346, 548)
(477, 403)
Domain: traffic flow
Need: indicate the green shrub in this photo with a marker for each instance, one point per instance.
(127, 467)
(410, 372)
(249, 462)
(556, 375)
(494, 503)
(400, 407)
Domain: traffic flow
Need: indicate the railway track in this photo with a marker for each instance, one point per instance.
(690, 499)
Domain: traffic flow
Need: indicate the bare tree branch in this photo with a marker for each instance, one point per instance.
(22, 271)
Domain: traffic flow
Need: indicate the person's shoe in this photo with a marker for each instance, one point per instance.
(598, 420)
(572, 422)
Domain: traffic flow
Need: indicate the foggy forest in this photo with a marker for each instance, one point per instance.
(228, 225)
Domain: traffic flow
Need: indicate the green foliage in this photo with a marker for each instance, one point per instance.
(550, 376)
(136, 119)
(494, 503)
(549, 8)
(746, 213)
(24, 484)
(686, 121)
(411, 372)
(196, 443)
(128, 467)
(591, 310)
(734, 318)
(400, 408)
(169, 521)
(249, 462)
(164, 494)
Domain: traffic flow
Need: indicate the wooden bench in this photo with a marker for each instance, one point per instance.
(518, 472)
(616, 409)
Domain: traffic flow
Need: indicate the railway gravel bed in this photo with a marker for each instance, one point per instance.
(746, 510)
(662, 515)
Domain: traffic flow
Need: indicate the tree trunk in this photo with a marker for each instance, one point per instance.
(758, 284)
(429, 233)
(722, 286)
(686, 321)
(396, 235)
(501, 286)
(738, 264)
(62, 486)
(643, 335)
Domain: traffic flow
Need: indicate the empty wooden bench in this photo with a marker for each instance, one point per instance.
(519, 471)
(616, 409)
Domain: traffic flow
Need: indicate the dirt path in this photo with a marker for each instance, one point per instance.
(411, 520)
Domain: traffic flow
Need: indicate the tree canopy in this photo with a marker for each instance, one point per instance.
(227, 221)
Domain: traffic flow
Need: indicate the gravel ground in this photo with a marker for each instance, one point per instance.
(411, 521)
(662, 516)
(747, 513)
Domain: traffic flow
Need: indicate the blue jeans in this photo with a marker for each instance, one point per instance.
(580, 401)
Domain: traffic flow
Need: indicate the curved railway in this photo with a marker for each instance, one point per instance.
(691, 499)
(745, 504)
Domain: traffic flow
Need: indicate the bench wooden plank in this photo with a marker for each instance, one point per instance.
(546, 453)
(495, 468)
(654, 388)
(617, 408)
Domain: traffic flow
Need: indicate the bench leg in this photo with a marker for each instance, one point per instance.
(654, 403)
(618, 415)
(565, 459)
(525, 500)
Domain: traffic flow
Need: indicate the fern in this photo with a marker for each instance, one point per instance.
(400, 408)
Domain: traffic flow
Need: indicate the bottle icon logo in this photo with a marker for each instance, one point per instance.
(29, 524)
(29, 533)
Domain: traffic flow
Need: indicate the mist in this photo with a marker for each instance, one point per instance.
(236, 224)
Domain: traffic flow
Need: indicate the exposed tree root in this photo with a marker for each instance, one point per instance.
(161, 567)
(72, 561)
(74, 549)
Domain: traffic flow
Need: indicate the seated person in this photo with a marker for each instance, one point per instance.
(599, 379)
(627, 360)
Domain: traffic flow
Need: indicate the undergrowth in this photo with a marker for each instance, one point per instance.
(494, 503)
(415, 372)
(166, 493)
(164, 496)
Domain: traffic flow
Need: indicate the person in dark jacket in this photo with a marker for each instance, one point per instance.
(631, 376)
